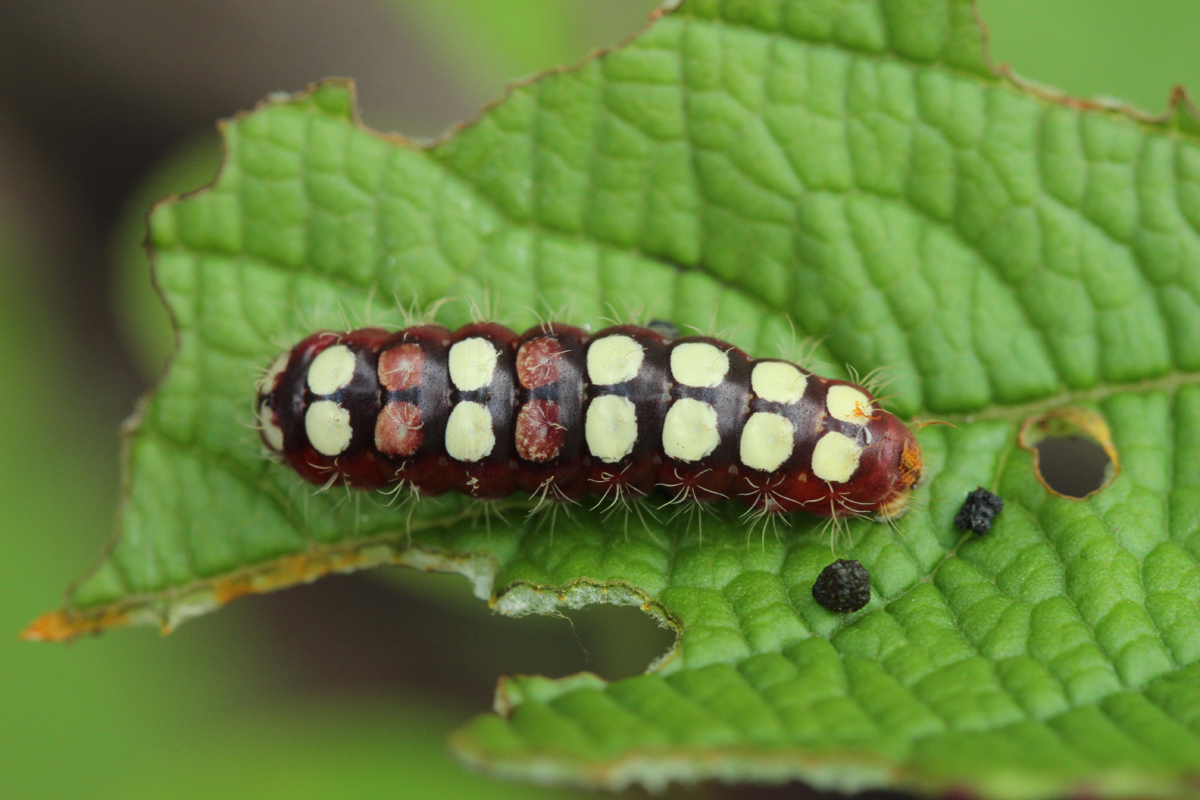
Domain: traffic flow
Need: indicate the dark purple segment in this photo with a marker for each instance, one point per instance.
(563, 477)
(360, 464)
(650, 393)
(493, 476)
(715, 476)
(431, 397)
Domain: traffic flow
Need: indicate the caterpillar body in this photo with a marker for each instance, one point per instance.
(563, 413)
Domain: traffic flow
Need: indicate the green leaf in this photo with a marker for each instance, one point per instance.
(853, 168)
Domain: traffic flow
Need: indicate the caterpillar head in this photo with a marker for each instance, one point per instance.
(266, 418)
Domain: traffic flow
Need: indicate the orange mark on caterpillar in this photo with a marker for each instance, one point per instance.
(861, 413)
(538, 362)
(539, 435)
(910, 467)
(401, 367)
(398, 430)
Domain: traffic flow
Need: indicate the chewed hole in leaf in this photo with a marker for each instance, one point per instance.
(1074, 466)
(436, 617)
(1073, 452)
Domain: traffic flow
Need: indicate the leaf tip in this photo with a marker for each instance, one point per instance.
(62, 626)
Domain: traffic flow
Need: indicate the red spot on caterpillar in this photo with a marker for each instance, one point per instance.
(400, 367)
(539, 435)
(538, 362)
(398, 430)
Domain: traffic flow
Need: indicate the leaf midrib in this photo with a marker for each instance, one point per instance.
(1018, 412)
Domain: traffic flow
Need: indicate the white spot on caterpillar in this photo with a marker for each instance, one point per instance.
(614, 359)
(469, 433)
(778, 382)
(266, 383)
(472, 364)
(698, 364)
(767, 441)
(835, 458)
(690, 429)
(611, 426)
(331, 369)
(272, 433)
(848, 404)
(328, 427)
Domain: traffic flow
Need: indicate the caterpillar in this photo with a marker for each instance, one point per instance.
(561, 412)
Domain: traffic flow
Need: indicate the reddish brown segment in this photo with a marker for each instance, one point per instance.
(538, 362)
(400, 367)
(401, 398)
(539, 434)
(398, 430)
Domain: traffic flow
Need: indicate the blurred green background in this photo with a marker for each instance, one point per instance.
(347, 688)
